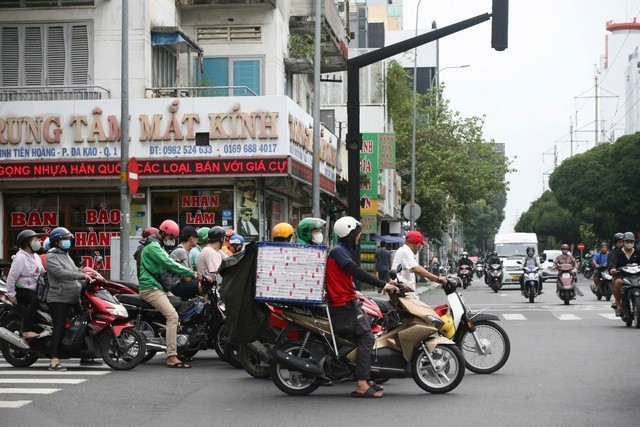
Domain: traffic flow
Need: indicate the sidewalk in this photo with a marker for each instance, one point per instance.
(422, 288)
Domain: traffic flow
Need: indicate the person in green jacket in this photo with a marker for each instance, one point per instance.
(203, 239)
(154, 264)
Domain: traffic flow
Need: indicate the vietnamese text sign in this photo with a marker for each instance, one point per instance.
(369, 166)
(369, 223)
(387, 142)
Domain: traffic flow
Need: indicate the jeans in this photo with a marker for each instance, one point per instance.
(186, 290)
(159, 300)
(59, 314)
(29, 299)
(365, 340)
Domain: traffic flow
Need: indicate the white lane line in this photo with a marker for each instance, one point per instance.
(504, 295)
(66, 365)
(28, 390)
(14, 403)
(610, 316)
(38, 372)
(567, 317)
(514, 316)
(41, 380)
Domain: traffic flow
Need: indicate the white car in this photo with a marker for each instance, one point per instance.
(547, 272)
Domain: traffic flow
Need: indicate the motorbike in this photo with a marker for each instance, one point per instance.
(412, 347)
(606, 284)
(479, 270)
(587, 271)
(464, 273)
(114, 287)
(98, 328)
(566, 282)
(484, 344)
(631, 294)
(495, 277)
(531, 282)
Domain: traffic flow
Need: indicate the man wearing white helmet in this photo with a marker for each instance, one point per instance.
(341, 270)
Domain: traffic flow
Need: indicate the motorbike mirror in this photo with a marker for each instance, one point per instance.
(393, 274)
(519, 262)
(543, 257)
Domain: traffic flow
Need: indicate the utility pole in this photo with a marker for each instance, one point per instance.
(571, 134)
(125, 207)
(315, 183)
(596, 88)
(555, 156)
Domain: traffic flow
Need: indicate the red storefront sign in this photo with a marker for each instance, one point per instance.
(305, 173)
(160, 167)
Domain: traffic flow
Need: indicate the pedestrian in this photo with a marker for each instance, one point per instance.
(383, 262)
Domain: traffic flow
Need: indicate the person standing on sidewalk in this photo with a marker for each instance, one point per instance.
(383, 262)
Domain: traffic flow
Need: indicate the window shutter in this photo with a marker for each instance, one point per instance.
(56, 56)
(9, 57)
(79, 55)
(246, 73)
(33, 57)
(216, 73)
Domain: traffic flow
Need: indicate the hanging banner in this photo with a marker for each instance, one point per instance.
(369, 166)
(369, 224)
(387, 143)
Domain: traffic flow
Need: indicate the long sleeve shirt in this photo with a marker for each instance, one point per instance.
(24, 272)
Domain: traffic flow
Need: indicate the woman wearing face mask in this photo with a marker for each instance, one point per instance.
(309, 231)
(23, 278)
(566, 258)
(64, 289)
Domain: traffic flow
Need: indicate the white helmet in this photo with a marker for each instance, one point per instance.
(347, 228)
(464, 254)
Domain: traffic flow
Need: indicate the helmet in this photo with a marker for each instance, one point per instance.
(57, 234)
(627, 236)
(448, 329)
(203, 235)
(24, 236)
(187, 232)
(347, 228)
(306, 227)
(216, 234)
(282, 232)
(236, 239)
(229, 232)
(149, 231)
(170, 227)
(531, 249)
(494, 253)
(46, 245)
(618, 236)
(564, 246)
(464, 254)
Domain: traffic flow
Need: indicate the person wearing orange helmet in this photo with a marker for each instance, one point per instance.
(154, 264)
(226, 246)
(282, 232)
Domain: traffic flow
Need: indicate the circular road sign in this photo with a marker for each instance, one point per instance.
(406, 211)
(581, 246)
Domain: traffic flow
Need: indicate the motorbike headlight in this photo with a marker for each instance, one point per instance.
(436, 321)
(118, 310)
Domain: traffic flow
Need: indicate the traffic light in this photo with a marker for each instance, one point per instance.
(500, 25)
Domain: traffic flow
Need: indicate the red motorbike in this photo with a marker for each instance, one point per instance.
(464, 273)
(566, 282)
(97, 329)
(114, 287)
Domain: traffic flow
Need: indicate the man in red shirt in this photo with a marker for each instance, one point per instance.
(341, 270)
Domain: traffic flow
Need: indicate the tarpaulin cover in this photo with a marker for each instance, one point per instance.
(389, 239)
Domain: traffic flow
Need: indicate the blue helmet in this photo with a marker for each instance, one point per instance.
(58, 234)
(47, 244)
(236, 239)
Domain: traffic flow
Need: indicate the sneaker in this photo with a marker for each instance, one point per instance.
(57, 367)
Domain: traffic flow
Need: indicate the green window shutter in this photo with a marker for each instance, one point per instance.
(216, 73)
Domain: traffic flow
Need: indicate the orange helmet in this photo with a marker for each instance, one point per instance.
(282, 232)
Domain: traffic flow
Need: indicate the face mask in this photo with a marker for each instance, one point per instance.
(35, 245)
(170, 243)
(65, 245)
(628, 245)
(317, 238)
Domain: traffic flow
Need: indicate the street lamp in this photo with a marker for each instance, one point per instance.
(435, 78)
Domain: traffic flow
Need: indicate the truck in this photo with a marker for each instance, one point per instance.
(511, 248)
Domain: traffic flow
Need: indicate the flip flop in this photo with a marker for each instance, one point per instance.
(369, 394)
(180, 365)
(377, 387)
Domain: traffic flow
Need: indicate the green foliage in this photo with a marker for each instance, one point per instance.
(455, 166)
(301, 46)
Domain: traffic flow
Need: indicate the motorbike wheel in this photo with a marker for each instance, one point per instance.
(607, 292)
(465, 283)
(252, 363)
(532, 297)
(17, 357)
(147, 331)
(133, 343)
(290, 382)
(445, 375)
(496, 341)
(220, 342)
(232, 354)
(636, 311)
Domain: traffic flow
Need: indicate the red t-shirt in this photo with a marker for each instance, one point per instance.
(340, 288)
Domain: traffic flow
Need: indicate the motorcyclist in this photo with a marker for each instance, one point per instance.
(628, 255)
(185, 289)
(341, 271)
(154, 262)
(282, 232)
(566, 258)
(236, 243)
(225, 247)
(530, 260)
(493, 258)
(203, 239)
(211, 257)
(22, 279)
(618, 244)
(601, 259)
(309, 231)
(146, 234)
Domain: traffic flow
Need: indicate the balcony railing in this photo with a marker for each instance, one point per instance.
(52, 93)
(187, 3)
(199, 91)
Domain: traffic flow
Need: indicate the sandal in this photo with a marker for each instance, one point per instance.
(369, 394)
(180, 365)
(376, 386)
(57, 367)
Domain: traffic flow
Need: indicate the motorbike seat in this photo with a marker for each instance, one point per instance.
(384, 304)
(137, 301)
(131, 285)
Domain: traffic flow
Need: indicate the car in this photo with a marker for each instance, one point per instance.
(547, 272)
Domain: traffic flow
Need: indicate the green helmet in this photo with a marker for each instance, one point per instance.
(203, 235)
(306, 227)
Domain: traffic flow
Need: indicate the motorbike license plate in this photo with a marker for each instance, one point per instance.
(565, 275)
(516, 277)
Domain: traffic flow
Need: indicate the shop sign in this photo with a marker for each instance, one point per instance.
(149, 167)
(200, 201)
(33, 219)
(369, 223)
(369, 165)
(227, 215)
(93, 238)
(102, 216)
(305, 174)
(387, 143)
(200, 218)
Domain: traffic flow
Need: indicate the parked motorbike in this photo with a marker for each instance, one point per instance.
(484, 344)
(566, 283)
(114, 287)
(300, 366)
(606, 284)
(98, 329)
(531, 282)
(479, 270)
(464, 273)
(495, 277)
(631, 294)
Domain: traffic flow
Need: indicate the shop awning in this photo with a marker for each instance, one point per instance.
(164, 36)
(389, 239)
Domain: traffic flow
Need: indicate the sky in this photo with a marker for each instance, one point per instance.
(527, 91)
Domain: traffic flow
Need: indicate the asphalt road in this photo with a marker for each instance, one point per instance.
(569, 366)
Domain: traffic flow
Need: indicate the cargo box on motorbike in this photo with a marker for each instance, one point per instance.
(289, 272)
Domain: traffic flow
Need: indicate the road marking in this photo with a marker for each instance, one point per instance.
(14, 403)
(567, 317)
(28, 390)
(514, 316)
(610, 316)
(42, 372)
(41, 381)
(66, 365)
(504, 295)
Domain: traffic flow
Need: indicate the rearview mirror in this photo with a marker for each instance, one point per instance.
(543, 257)
(393, 274)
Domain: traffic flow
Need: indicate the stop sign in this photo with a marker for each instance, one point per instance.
(133, 175)
(581, 246)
